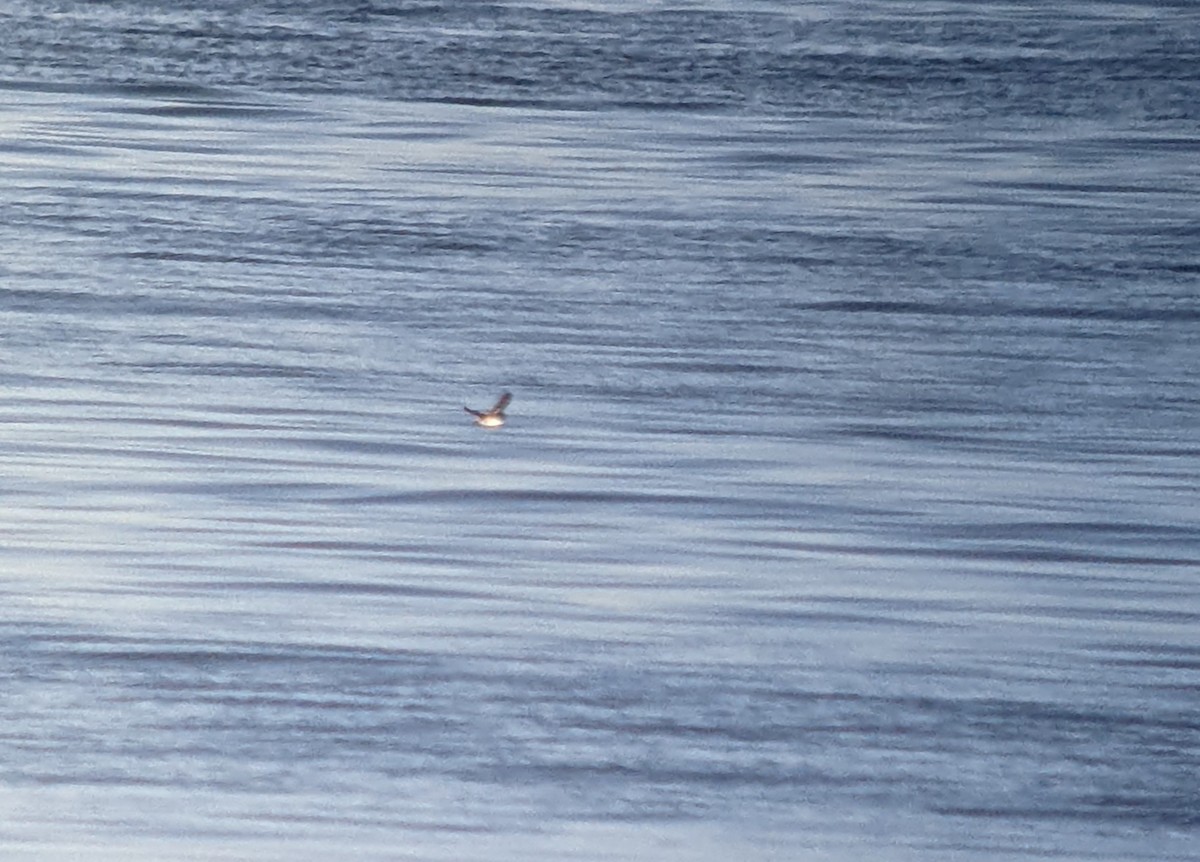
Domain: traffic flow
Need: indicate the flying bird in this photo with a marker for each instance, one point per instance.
(493, 418)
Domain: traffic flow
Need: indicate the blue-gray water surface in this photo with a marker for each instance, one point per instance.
(847, 504)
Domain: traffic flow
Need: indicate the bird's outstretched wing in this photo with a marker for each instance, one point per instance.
(502, 403)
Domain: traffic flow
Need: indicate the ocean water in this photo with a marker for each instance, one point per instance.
(847, 504)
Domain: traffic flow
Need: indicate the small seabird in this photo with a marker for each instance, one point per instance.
(493, 418)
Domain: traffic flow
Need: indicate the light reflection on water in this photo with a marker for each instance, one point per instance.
(839, 511)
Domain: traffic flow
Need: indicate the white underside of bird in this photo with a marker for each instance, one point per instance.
(493, 418)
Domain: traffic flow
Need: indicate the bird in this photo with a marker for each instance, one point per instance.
(493, 418)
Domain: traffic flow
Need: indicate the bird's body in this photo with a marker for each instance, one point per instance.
(493, 418)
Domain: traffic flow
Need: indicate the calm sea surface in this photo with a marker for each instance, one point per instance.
(847, 508)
